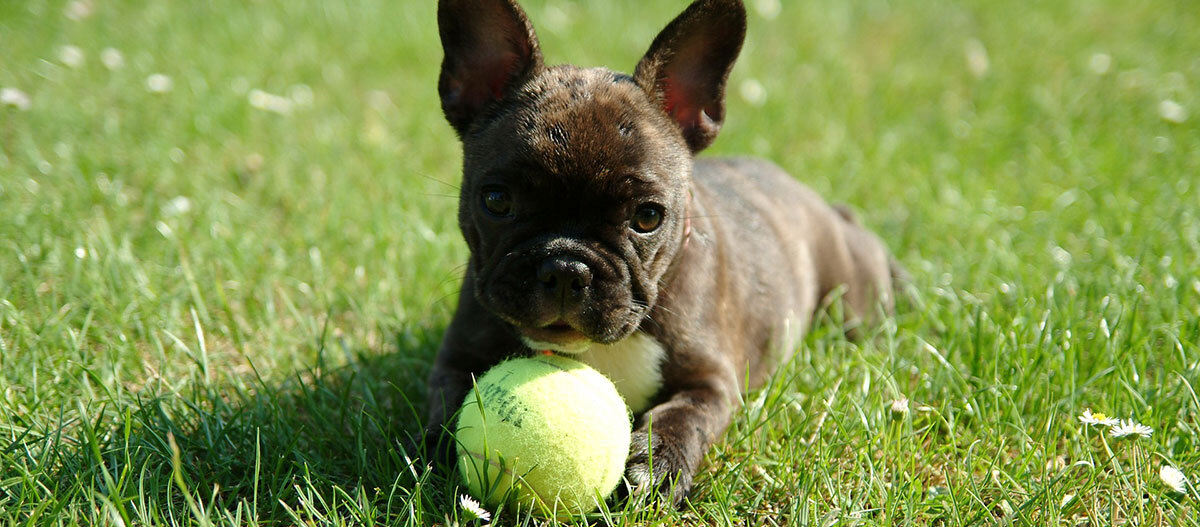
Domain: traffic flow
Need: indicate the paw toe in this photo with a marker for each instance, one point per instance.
(656, 466)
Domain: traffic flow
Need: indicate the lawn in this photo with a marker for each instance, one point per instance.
(228, 251)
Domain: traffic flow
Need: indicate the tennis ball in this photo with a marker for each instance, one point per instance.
(547, 433)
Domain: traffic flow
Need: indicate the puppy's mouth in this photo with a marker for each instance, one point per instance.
(555, 336)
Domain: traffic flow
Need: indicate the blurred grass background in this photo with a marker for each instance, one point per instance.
(227, 258)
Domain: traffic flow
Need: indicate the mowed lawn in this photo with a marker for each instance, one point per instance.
(228, 251)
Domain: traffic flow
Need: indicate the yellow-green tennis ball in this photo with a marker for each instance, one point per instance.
(546, 432)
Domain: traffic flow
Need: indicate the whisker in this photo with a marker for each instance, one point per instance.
(650, 309)
(451, 279)
(443, 298)
(448, 184)
(457, 272)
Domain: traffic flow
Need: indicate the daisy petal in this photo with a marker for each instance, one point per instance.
(1174, 478)
(472, 507)
(1128, 428)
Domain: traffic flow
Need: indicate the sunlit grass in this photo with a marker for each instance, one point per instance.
(227, 257)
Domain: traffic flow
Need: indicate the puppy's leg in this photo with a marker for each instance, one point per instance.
(474, 342)
(672, 438)
(448, 385)
(869, 273)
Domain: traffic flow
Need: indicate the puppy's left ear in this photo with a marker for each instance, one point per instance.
(688, 63)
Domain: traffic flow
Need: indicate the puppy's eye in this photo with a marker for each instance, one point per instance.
(497, 201)
(646, 218)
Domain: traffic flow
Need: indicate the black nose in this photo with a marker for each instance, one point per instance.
(563, 275)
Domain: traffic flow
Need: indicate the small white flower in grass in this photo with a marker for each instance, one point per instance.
(1089, 418)
(900, 406)
(72, 56)
(270, 102)
(768, 9)
(15, 98)
(473, 508)
(1170, 282)
(177, 206)
(112, 58)
(1100, 63)
(254, 162)
(1061, 256)
(1174, 478)
(977, 58)
(753, 92)
(78, 10)
(1172, 111)
(159, 83)
(300, 94)
(1128, 428)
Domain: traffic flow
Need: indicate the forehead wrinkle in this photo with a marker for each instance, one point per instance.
(575, 127)
(583, 151)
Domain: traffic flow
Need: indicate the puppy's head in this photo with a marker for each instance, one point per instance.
(576, 181)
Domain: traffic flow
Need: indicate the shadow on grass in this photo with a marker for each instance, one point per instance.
(326, 443)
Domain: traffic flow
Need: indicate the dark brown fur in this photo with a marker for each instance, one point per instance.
(742, 259)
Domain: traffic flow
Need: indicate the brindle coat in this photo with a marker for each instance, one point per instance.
(564, 166)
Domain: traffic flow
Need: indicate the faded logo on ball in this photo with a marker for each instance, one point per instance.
(546, 433)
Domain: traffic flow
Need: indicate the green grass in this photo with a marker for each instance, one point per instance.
(212, 314)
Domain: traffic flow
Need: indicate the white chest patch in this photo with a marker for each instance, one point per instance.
(634, 365)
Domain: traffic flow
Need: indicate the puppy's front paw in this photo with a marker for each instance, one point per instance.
(657, 465)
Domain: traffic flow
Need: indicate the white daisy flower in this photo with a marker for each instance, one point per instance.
(15, 98)
(1173, 478)
(270, 102)
(1100, 63)
(1172, 111)
(78, 10)
(900, 406)
(1128, 428)
(1088, 418)
(72, 56)
(112, 58)
(977, 58)
(177, 206)
(472, 507)
(753, 92)
(768, 9)
(159, 83)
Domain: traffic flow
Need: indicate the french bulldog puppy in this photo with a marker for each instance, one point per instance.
(594, 233)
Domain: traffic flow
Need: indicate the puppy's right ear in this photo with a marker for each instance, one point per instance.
(489, 48)
(688, 64)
